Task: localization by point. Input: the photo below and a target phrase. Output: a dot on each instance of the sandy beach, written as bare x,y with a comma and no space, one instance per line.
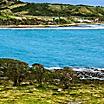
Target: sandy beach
45,26
37,26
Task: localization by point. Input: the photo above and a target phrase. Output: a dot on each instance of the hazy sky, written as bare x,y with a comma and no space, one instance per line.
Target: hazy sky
86,2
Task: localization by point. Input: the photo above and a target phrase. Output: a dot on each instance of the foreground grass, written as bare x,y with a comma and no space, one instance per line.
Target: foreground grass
77,94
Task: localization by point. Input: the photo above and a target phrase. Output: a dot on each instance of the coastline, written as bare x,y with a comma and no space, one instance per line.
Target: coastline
84,73
35,26
48,26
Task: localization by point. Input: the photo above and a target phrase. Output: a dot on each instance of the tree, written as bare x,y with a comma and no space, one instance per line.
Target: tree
39,70
13,69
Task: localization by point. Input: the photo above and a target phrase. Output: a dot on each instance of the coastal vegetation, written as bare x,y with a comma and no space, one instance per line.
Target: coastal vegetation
24,84
16,12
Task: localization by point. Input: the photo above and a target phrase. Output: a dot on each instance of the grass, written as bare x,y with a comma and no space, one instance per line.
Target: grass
28,95
16,5
78,94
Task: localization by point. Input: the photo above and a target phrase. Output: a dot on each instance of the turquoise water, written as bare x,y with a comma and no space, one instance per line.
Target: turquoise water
54,47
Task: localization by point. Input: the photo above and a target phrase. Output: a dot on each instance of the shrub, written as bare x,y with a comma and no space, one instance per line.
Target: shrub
13,69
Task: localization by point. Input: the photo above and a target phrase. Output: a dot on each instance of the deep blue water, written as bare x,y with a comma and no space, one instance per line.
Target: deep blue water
54,47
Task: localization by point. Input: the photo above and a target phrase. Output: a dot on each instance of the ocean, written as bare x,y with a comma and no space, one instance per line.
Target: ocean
54,47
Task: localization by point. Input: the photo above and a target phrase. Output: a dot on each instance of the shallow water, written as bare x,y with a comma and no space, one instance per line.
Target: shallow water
54,47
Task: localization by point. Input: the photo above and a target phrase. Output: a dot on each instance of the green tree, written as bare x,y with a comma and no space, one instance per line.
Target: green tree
13,69
39,70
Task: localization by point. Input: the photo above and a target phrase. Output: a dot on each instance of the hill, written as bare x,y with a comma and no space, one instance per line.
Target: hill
15,12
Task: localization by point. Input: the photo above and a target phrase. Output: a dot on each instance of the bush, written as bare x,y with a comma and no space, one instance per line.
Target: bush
13,69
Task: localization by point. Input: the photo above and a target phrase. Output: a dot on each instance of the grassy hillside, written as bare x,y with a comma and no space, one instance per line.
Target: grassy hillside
46,9
18,11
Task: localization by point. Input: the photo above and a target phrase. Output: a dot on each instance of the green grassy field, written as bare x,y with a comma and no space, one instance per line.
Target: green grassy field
77,94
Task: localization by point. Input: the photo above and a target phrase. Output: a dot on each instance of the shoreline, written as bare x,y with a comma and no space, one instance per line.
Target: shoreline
48,26
84,73
35,26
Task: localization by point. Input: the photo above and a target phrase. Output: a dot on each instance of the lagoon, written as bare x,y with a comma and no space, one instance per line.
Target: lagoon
54,47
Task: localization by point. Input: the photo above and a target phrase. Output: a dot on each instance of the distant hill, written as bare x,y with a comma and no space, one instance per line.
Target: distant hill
15,10
46,9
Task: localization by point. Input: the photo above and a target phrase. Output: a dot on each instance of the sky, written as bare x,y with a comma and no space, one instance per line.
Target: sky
75,2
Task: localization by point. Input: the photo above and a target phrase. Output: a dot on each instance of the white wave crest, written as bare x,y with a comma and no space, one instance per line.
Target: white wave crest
51,68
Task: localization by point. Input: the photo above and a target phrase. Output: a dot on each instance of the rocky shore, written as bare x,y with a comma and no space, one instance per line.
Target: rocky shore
86,73
90,73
